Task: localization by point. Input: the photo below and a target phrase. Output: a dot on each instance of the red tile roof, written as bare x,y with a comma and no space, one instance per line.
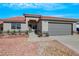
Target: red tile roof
22,19
50,17
58,18
47,17
15,19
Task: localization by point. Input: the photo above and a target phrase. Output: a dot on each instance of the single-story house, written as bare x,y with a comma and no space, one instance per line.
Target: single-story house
45,24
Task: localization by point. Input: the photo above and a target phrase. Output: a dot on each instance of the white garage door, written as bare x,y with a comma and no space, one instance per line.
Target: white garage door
59,29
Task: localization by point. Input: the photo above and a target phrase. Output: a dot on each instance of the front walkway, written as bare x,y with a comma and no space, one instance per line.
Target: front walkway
72,41
34,38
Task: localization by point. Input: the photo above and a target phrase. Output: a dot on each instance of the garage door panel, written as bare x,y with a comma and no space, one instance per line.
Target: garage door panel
59,29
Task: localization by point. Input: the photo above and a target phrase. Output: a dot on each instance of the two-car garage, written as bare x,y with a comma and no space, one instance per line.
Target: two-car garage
56,26
60,29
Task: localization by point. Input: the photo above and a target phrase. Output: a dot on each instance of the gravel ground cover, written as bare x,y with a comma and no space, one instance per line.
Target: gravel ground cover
20,46
54,48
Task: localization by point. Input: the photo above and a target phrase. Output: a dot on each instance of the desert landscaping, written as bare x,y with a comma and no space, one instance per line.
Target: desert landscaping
20,46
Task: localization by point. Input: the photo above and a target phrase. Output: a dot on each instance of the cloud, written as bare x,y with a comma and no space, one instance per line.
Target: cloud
53,6
45,6
19,5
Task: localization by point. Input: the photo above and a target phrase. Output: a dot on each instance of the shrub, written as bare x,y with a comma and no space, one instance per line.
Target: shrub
27,32
19,32
30,30
39,34
13,32
45,34
8,31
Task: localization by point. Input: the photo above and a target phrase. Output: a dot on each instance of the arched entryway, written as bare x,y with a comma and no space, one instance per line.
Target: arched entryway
32,24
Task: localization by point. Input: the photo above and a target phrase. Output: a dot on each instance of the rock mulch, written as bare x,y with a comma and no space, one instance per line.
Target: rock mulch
17,46
20,46
55,48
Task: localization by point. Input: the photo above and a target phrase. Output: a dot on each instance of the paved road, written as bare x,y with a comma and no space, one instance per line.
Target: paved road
72,41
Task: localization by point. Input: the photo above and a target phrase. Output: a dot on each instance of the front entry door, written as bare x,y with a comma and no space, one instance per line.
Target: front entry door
32,24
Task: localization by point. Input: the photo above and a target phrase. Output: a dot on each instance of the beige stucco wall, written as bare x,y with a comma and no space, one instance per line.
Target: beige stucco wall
39,26
23,27
7,26
44,26
30,18
74,27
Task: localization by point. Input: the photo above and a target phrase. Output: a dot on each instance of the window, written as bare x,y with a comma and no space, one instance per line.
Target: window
18,26
15,26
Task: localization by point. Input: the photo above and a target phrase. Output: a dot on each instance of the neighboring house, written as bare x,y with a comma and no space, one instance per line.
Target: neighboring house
45,24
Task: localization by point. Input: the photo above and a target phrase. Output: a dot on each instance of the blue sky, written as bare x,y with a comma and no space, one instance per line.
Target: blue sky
66,10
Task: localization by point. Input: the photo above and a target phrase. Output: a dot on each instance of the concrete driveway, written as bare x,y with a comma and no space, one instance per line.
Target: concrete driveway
71,41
